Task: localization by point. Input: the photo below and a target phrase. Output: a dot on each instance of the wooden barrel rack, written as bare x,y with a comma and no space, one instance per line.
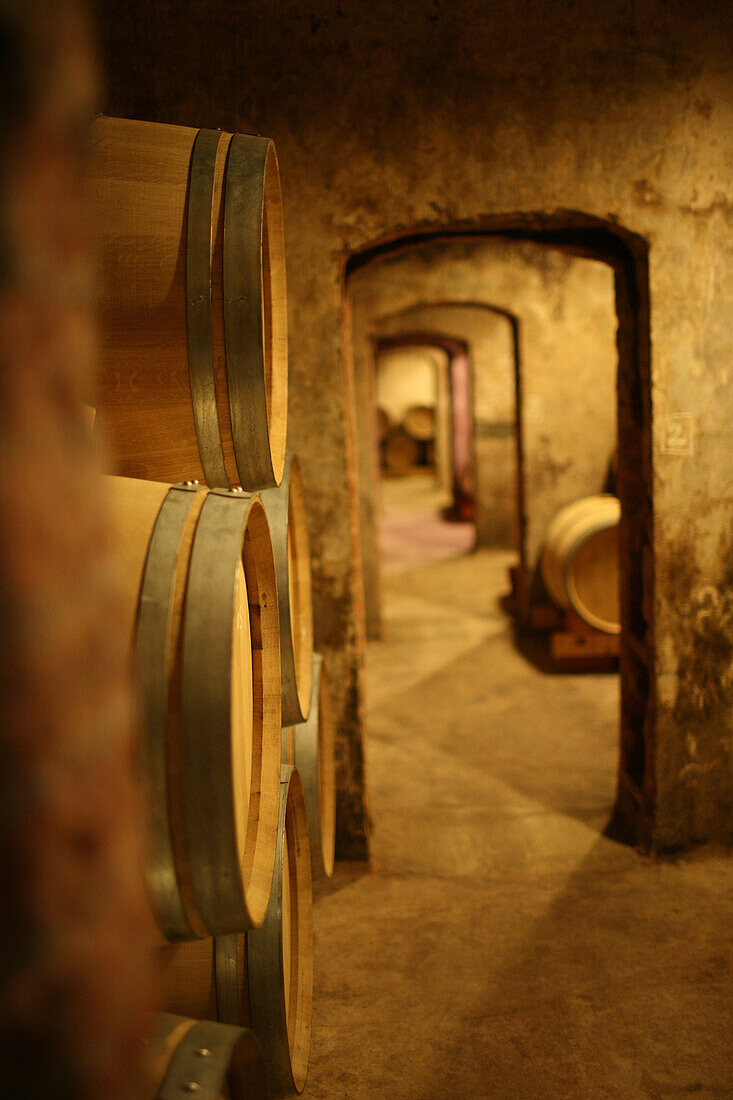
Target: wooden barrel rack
199,578
211,1060
285,508
311,748
193,372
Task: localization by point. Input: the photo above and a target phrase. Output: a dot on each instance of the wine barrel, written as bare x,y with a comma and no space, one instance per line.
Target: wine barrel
264,979
419,423
285,508
579,561
384,424
192,379
198,580
311,748
214,1061
401,452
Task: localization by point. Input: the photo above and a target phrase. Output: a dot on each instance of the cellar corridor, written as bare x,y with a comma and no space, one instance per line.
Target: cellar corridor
501,946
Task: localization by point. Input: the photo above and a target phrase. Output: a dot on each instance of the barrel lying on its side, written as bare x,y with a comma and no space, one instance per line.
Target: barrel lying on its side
198,580
192,379
264,979
311,748
419,423
401,453
214,1061
384,424
285,507
579,561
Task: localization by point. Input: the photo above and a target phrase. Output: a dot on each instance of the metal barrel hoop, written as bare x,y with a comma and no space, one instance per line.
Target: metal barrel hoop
203,1057
198,305
277,506
226,979
206,713
152,655
244,213
306,749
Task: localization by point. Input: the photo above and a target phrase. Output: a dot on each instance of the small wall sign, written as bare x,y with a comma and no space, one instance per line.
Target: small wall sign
677,435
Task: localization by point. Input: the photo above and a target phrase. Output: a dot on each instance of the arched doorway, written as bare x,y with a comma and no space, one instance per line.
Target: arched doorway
625,254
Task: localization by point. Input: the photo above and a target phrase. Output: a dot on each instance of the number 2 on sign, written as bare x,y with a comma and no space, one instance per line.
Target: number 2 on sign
677,438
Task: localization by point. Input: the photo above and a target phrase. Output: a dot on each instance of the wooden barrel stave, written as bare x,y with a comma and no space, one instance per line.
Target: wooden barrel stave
164,324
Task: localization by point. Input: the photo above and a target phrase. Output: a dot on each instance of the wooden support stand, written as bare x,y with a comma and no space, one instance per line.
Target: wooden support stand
544,618
580,648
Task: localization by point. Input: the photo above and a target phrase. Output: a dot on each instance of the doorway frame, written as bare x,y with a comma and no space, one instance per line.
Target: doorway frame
627,254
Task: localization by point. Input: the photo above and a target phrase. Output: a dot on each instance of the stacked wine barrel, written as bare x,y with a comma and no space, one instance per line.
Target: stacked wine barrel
213,559
410,444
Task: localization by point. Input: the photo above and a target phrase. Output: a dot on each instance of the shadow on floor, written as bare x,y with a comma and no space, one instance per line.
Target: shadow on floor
613,983
535,647
346,873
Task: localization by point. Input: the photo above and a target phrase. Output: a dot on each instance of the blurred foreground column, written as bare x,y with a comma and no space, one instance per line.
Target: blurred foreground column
73,923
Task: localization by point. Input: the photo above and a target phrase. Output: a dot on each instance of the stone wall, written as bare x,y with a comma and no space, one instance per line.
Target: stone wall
581,121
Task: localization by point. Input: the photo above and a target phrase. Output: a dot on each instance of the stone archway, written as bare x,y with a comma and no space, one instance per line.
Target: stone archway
626,254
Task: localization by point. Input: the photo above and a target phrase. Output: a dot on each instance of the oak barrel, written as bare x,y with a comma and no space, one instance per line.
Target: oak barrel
285,508
264,979
579,561
198,578
401,453
311,748
384,424
214,1061
192,379
419,422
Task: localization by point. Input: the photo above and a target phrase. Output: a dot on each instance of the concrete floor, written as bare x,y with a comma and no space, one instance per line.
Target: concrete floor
500,946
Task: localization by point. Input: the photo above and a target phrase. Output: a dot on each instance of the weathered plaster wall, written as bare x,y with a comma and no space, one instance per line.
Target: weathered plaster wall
565,324
392,116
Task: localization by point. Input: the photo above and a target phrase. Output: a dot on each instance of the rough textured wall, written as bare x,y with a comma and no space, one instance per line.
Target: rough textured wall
75,975
564,317
427,114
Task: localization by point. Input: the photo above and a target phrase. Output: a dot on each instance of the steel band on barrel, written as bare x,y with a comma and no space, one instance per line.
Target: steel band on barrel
152,658
198,306
205,709
204,1057
243,308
